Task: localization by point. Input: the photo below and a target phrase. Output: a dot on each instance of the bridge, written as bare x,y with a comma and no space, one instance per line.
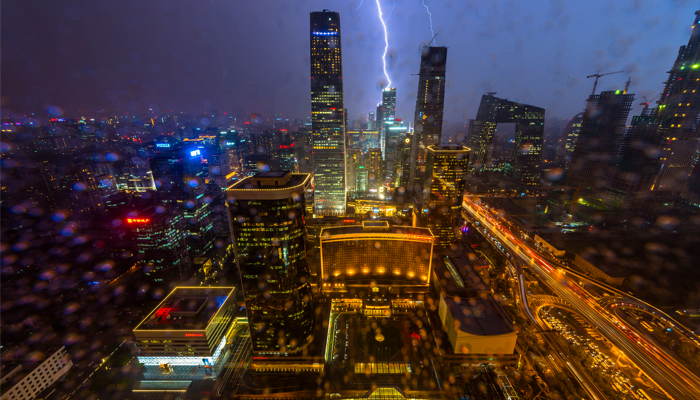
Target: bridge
537,301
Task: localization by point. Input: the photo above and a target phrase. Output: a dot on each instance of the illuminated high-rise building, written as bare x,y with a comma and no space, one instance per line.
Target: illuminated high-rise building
529,129
388,114
374,164
327,114
267,217
592,165
430,105
445,177
679,132
371,121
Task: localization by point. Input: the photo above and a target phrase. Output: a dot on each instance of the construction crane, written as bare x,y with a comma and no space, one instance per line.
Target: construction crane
598,75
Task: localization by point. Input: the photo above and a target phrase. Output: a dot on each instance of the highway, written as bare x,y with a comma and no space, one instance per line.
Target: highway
673,378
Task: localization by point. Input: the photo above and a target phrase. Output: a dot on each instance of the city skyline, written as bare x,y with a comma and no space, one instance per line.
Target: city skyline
557,54
279,253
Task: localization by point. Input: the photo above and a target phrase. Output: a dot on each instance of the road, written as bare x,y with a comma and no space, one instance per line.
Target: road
673,378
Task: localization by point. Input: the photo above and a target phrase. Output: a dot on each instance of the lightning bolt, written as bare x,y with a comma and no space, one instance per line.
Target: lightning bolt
431,20
386,43
358,7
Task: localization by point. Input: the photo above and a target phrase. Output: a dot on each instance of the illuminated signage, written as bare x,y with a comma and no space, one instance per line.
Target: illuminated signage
195,153
194,334
284,146
162,144
417,237
229,143
349,221
325,33
137,220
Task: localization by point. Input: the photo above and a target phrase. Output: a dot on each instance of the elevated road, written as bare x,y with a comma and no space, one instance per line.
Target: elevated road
676,381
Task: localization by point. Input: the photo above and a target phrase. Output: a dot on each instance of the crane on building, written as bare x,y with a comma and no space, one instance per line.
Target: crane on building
598,75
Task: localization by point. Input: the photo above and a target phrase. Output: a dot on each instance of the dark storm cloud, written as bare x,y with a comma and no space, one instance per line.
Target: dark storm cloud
90,56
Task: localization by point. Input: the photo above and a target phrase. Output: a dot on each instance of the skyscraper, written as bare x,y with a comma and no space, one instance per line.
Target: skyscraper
327,114
430,105
388,115
267,216
573,128
680,104
638,165
599,140
529,128
445,177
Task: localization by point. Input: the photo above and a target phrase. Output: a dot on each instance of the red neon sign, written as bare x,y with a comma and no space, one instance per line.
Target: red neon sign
137,220
348,220
259,358
284,146
194,334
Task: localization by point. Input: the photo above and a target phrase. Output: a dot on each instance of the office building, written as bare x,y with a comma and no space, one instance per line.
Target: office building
189,327
430,105
25,380
353,163
443,185
637,168
678,132
386,115
526,159
160,238
371,122
592,165
571,131
267,214
327,114
359,258
374,166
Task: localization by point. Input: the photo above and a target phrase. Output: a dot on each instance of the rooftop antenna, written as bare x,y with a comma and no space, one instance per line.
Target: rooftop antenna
431,40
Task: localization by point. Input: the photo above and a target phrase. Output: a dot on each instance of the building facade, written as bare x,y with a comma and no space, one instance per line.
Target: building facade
529,130
430,105
20,383
267,214
327,114
443,185
599,140
361,257
189,327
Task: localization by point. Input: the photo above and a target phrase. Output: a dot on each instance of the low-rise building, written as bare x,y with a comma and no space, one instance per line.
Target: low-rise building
188,327
25,380
477,325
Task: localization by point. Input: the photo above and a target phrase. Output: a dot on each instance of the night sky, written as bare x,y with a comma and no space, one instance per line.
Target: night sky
253,56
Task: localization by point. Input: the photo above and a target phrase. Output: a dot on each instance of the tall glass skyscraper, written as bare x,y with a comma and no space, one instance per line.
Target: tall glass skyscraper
445,177
327,114
388,115
430,105
267,217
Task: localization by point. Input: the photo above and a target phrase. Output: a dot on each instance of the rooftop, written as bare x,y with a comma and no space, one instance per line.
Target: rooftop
479,315
457,277
186,308
416,233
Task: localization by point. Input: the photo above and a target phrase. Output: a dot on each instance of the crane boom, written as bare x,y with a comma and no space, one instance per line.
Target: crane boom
598,75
